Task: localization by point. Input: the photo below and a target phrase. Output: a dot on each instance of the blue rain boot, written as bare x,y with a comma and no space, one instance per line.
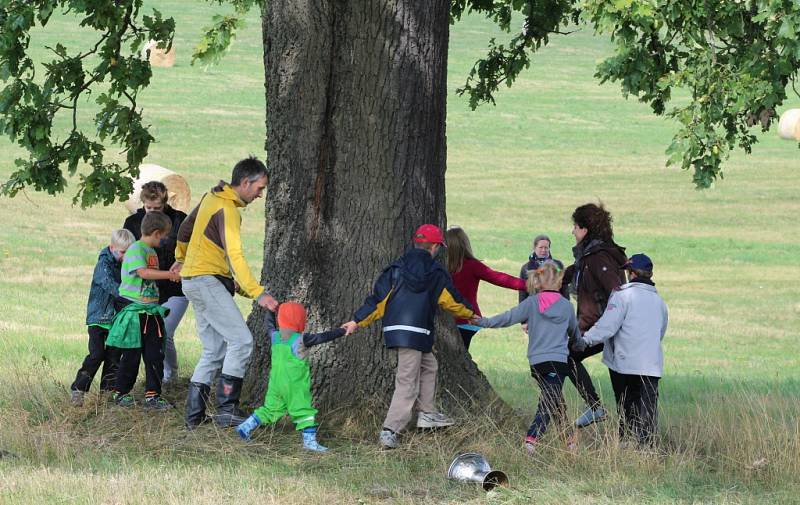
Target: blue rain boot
310,440
246,428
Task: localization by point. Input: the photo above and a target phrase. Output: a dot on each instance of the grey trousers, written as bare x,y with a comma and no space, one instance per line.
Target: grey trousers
227,342
414,385
177,308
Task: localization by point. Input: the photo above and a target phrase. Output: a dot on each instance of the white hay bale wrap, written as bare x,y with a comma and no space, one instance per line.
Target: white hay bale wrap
789,126
158,57
179,194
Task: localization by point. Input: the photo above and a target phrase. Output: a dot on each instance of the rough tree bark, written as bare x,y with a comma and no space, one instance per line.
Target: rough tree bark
356,96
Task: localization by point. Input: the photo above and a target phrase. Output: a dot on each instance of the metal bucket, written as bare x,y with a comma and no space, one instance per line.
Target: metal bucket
473,467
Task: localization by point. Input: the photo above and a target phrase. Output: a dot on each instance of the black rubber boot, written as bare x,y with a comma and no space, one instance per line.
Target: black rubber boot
196,401
228,391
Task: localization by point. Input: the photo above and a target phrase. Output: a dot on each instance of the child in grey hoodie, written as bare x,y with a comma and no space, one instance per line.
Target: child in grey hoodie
633,325
552,325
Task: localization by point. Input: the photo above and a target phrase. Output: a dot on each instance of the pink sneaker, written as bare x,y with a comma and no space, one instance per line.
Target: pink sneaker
530,444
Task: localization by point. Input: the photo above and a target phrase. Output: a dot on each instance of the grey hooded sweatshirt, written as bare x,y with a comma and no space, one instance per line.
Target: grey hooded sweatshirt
552,325
632,326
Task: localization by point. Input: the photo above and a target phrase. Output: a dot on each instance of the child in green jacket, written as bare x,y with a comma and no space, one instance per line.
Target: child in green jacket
290,376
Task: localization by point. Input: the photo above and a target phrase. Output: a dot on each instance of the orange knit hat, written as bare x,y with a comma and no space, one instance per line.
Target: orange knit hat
292,316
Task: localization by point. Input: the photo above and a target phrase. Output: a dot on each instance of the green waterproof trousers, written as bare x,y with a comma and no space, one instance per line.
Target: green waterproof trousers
289,389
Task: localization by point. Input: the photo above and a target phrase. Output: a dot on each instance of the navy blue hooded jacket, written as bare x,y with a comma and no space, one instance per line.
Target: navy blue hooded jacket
105,285
406,295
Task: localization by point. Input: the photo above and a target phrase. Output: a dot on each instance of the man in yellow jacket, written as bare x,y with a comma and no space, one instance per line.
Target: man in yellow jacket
212,266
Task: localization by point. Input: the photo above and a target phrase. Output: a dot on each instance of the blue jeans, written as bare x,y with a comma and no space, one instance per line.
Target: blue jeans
550,377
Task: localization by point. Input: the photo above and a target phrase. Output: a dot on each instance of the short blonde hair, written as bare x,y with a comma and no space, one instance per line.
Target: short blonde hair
545,278
122,239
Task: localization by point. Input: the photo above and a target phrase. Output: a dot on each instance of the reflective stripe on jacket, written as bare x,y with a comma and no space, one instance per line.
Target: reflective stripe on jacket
406,296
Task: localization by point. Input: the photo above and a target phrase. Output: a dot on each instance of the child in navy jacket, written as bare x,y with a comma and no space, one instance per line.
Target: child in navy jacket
99,313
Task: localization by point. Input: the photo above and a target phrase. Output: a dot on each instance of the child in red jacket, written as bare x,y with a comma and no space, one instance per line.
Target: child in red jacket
467,272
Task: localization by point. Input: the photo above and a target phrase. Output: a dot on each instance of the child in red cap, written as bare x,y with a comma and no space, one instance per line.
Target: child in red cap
290,376
405,297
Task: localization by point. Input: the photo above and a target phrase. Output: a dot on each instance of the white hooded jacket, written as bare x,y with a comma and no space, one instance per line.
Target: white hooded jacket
633,325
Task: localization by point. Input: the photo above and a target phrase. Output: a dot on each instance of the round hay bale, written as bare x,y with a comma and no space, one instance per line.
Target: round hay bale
158,57
179,194
789,126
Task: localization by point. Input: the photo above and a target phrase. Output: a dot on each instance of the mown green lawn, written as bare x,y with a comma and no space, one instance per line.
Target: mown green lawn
725,261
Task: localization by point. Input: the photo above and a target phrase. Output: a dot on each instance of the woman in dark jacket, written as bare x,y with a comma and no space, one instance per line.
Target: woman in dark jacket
540,254
597,271
154,198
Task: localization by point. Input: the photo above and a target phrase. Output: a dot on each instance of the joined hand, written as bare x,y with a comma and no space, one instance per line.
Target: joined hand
349,327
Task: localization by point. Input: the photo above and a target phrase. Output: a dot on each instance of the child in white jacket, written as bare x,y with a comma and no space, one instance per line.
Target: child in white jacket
633,325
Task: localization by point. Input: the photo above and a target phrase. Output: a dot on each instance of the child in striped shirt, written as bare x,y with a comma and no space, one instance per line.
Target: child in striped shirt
138,327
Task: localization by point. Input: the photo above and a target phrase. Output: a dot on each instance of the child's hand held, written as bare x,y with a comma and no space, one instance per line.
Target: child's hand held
349,327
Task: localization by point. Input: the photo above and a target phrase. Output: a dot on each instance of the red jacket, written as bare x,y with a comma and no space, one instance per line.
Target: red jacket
472,272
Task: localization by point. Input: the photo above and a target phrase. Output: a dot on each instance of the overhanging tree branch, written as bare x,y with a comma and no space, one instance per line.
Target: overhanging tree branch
736,65
736,58
28,109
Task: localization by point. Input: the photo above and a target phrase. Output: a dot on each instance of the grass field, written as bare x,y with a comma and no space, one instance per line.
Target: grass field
726,263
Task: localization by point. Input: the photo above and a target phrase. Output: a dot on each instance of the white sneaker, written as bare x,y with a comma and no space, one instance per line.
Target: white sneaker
433,420
388,439
76,397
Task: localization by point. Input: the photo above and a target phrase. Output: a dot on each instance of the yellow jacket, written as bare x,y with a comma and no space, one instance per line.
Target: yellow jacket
209,240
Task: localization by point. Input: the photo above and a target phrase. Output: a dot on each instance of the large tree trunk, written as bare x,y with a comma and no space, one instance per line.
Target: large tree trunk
356,96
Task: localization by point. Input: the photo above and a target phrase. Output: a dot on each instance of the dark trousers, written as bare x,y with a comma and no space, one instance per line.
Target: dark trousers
151,352
550,377
466,336
637,405
98,355
580,376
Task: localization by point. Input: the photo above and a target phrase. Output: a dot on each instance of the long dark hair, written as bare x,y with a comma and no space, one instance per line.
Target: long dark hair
596,219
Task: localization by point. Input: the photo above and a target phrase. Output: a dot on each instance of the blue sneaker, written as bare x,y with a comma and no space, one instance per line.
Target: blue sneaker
245,429
310,441
591,415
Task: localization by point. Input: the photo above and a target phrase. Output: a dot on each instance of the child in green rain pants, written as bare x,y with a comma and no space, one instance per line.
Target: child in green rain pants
289,388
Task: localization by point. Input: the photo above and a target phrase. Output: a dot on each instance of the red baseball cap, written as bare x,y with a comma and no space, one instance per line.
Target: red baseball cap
429,233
